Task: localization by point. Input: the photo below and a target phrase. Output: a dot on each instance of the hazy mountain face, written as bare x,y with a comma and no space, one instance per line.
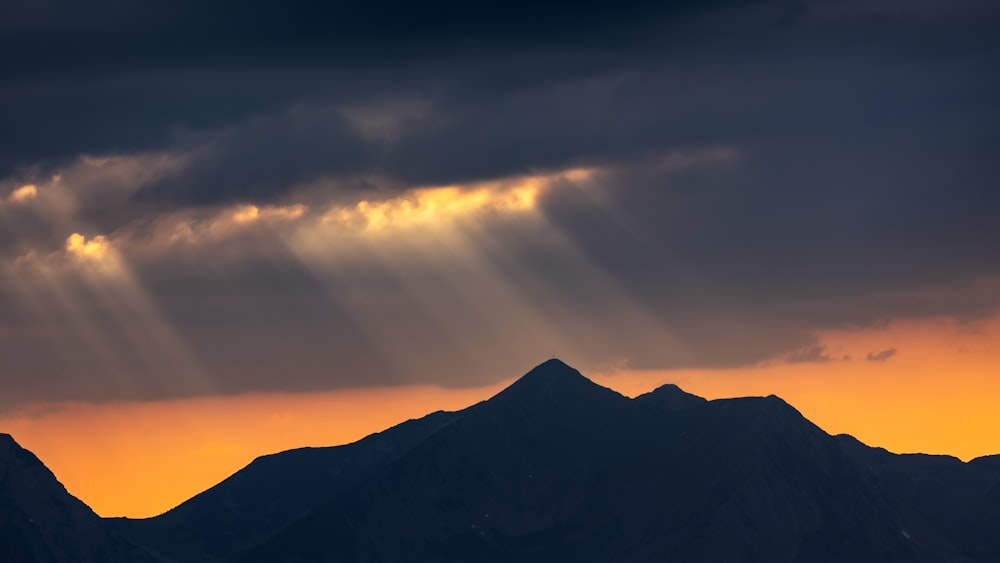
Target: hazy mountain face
557,468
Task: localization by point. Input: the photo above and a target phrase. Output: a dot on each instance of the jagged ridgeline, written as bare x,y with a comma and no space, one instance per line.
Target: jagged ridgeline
553,468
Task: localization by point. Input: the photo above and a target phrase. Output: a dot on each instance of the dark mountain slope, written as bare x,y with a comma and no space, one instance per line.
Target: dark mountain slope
42,523
556,468
939,494
521,468
271,492
670,397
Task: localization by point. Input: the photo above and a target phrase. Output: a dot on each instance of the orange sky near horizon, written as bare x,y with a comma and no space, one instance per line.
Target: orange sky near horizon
936,394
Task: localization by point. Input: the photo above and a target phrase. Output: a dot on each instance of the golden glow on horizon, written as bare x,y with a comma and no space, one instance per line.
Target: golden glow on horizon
141,459
937,394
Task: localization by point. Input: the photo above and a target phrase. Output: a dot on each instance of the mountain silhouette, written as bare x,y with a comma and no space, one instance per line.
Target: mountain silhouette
41,522
670,397
270,493
558,468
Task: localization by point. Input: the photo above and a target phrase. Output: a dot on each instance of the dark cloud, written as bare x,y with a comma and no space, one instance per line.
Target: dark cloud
881,356
811,354
824,237
763,170
114,79
108,35
263,156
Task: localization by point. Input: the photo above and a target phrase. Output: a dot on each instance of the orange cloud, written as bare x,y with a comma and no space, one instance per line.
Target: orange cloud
431,205
24,193
252,213
78,246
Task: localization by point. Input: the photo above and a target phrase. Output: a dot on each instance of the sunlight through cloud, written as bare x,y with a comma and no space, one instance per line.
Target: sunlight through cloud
24,193
78,246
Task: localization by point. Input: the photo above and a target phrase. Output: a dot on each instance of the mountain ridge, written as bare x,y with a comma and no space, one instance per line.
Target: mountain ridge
557,467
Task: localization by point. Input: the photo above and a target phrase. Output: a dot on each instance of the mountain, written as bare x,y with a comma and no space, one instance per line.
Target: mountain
670,397
558,468
270,493
40,522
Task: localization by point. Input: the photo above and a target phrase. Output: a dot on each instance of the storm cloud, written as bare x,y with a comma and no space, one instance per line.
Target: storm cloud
288,197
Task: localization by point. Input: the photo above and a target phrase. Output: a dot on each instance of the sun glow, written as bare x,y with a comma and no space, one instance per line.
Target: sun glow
24,193
430,206
935,393
141,459
411,273
78,246
252,213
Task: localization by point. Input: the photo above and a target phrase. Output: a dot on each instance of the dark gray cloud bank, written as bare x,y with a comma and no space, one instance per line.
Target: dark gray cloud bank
768,169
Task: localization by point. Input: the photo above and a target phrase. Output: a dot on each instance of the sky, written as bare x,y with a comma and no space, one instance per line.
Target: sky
232,228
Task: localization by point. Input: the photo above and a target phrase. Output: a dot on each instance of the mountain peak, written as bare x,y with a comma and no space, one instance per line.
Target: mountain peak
551,375
553,381
551,369
670,397
10,449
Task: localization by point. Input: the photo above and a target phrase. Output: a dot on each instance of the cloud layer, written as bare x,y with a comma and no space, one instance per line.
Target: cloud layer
259,196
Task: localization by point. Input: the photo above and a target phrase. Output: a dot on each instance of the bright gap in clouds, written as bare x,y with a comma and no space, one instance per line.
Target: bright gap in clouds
419,275
24,193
